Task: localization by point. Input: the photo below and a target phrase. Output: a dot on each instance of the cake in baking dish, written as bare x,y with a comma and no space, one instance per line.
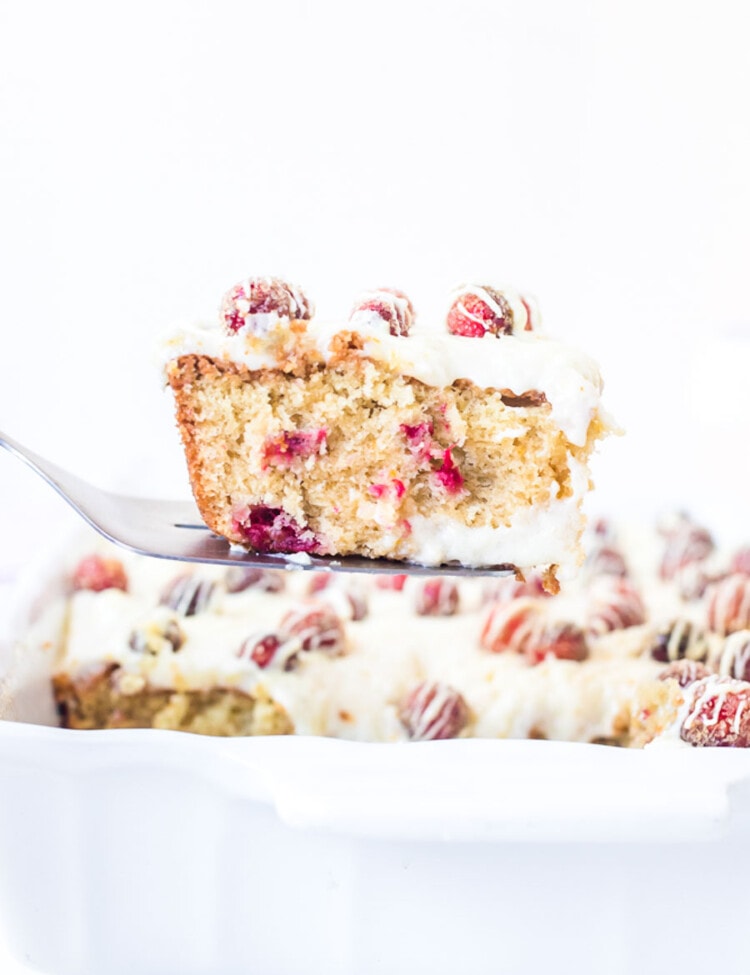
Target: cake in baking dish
381,438
650,644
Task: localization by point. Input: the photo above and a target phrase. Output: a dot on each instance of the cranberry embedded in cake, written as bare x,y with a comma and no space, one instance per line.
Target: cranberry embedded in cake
267,529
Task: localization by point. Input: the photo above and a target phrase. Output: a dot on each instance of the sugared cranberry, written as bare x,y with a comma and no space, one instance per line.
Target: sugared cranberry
319,581
188,595
566,641
448,473
693,580
685,543
267,529
512,625
239,578
606,560
685,672
433,711
393,582
97,573
728,604
387,305
281,450
509,588
522,626
734,657
615,605
680,639
244,307
437,597
346,601
261,648
316,626
741,561
156,636
718,713
480,309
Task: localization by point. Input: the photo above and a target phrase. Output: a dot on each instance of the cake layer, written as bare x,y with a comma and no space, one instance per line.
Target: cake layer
353,459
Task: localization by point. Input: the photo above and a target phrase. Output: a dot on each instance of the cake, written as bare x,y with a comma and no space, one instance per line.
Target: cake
377,437
650,645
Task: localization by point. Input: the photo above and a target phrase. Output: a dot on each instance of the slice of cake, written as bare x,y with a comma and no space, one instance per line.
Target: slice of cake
467,444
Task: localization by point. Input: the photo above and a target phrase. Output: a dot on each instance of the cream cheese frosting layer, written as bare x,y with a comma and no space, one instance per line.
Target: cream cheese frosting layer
569,379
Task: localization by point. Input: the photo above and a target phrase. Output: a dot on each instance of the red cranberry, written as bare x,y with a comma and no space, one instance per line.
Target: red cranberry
512,626
393,582
685,543
734,658
606,560
718,713
728,608
680,639
259,297
97,573
741,561
261,648
437,597
319,581
284,448
566,641
155,636
389,305
316,626
478,310
692,580
346,602
433,711
685,672
449,475
393,490
267,529
419,440
239,578
616,605
188,595
522,627
509,588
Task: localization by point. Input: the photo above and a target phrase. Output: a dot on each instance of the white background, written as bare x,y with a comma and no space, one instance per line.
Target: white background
596,154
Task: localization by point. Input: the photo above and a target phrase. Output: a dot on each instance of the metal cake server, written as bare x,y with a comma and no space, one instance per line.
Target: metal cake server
175,530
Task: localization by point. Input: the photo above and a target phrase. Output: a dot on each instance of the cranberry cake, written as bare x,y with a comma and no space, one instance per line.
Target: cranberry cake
381,438
649,645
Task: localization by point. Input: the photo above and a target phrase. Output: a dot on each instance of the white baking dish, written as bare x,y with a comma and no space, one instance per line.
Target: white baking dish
158,852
